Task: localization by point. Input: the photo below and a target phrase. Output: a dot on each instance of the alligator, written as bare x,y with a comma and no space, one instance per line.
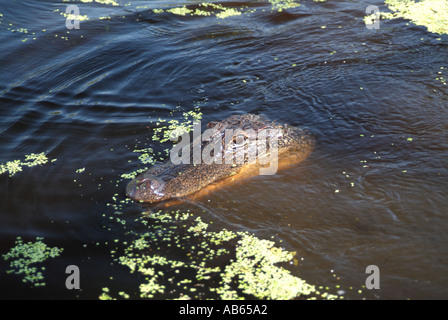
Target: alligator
234,153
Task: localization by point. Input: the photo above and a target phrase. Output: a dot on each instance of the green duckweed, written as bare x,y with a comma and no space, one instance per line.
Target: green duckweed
174,128
440,76
146,157
78,17
180,11
31,160
432,14
256,271
208,9
26,259
221,12
81,17
105,295
280,5
221,264
106,2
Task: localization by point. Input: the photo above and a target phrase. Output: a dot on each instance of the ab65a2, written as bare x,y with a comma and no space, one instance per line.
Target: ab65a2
245,309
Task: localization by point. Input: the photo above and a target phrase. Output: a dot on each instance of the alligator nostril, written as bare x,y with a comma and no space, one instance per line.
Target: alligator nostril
131,189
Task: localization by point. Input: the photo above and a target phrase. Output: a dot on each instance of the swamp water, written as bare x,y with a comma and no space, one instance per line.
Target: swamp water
81,110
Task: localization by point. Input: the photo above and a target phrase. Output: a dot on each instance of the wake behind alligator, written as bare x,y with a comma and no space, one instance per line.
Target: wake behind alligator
235,157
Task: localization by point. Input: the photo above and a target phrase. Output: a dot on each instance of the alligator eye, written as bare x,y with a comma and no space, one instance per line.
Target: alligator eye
157,188
239,139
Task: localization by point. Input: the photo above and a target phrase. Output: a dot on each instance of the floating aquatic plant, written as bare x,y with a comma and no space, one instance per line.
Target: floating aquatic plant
432,14
221,12
31,160
80,170
207,9
256,272
280,5
174,127
106,2
77,17
221,264
26,259
440,76
165,130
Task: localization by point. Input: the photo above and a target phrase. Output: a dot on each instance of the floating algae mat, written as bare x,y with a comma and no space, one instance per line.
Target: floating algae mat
432,14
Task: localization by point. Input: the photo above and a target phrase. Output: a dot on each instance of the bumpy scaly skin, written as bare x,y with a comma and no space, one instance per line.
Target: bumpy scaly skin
167,181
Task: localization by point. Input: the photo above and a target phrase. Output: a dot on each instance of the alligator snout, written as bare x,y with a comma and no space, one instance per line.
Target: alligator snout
142,189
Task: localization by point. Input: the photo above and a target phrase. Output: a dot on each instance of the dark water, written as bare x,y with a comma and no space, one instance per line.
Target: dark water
373,192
